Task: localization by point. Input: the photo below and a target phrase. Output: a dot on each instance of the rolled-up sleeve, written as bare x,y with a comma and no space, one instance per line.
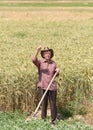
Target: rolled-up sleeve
55,70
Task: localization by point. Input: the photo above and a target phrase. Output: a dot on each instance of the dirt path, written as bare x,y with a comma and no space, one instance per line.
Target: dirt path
54,14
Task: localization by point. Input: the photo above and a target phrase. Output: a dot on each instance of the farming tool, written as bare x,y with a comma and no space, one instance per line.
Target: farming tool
34,114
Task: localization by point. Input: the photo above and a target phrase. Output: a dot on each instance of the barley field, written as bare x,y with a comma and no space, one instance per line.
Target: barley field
66,28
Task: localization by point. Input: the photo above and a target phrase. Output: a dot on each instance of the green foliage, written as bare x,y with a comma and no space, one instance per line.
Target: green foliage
16,121
47,4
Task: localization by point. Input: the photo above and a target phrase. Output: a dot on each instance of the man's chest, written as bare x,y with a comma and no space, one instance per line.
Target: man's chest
47,67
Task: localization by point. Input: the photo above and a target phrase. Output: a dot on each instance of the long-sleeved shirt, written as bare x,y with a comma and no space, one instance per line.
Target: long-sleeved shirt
46,71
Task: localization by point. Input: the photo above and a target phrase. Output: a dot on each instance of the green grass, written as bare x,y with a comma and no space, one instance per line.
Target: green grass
48,4
16,121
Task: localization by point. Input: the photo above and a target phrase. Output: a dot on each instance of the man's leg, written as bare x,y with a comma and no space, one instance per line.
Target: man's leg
52,99
44,105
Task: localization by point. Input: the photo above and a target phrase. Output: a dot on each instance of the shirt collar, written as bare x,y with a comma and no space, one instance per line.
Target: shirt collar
44,60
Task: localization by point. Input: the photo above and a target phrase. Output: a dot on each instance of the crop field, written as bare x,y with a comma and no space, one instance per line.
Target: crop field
67,28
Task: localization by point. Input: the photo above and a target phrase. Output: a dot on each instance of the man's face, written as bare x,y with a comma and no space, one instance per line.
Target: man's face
47,55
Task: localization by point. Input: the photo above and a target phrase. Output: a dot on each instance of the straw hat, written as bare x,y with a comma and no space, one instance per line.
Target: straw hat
45,50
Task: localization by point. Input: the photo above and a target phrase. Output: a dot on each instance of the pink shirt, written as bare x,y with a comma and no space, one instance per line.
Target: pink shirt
46,71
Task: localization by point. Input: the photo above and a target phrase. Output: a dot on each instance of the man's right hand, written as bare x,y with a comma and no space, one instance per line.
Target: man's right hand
38,49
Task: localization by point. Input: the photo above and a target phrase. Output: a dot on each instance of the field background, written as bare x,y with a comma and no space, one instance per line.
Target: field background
67,27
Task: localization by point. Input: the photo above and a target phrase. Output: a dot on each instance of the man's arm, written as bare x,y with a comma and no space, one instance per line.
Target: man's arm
35,59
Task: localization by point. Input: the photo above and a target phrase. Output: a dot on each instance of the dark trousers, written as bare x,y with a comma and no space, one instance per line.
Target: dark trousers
51,96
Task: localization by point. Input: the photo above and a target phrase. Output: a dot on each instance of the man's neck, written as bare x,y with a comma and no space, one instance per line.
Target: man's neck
48,60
